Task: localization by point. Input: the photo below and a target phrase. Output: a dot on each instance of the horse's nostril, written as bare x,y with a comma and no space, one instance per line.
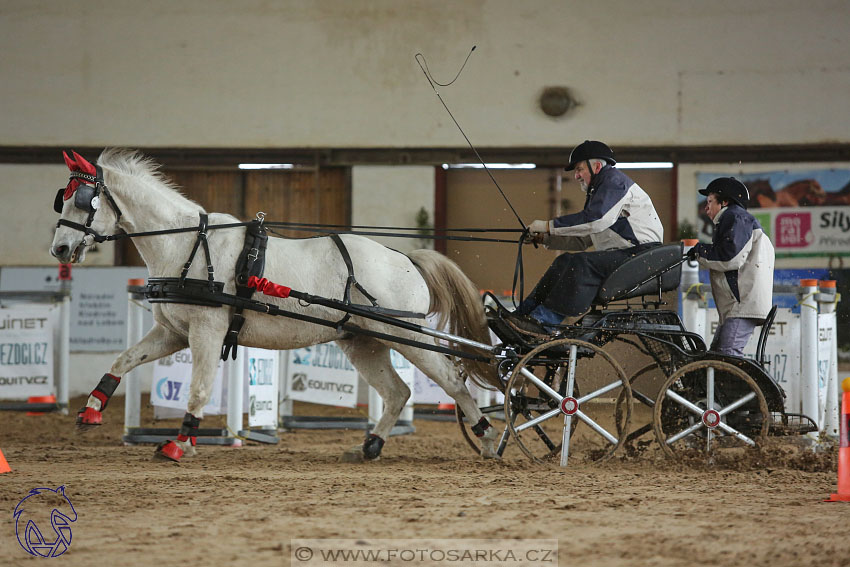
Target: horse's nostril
59,250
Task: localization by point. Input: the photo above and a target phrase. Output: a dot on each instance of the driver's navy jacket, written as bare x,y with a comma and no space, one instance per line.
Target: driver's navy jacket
617,214
740,259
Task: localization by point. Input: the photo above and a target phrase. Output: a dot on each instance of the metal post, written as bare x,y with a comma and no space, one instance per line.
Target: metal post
235,384
809,349
132,381
376,407
827,299
285,405
62,388
690,305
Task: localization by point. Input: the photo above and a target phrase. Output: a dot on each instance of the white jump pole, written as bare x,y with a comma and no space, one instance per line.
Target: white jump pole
64,353
827,299
132,382
235,383
809,349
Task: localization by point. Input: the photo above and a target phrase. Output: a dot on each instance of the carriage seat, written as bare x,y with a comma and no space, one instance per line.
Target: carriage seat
620,284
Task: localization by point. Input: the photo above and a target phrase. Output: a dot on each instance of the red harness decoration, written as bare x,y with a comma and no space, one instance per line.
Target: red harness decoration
79,163
268,288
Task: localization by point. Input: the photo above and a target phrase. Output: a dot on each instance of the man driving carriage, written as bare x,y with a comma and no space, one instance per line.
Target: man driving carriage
740,259
618,220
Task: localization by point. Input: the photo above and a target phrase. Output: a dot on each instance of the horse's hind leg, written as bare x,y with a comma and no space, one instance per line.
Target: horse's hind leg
372,360
205,339
157,343
438,368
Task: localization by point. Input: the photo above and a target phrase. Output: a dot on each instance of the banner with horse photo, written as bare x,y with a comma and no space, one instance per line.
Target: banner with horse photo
805,212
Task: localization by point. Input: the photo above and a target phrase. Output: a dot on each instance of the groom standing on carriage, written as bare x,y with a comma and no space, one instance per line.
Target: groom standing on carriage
618,220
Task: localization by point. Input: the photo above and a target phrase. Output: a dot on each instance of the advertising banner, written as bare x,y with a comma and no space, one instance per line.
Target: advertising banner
321,374
26,351
261,369
171,378
805,212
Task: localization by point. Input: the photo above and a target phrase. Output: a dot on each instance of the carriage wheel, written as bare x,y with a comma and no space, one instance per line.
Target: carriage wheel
495,415
543,405
639,397
711,407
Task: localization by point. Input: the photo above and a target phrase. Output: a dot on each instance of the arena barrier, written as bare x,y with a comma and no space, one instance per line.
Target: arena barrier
802,348
35,336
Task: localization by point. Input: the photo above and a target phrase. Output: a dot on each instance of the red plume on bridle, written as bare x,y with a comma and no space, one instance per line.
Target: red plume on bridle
80,164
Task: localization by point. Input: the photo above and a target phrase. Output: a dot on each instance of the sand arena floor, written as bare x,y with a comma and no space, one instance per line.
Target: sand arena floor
242,506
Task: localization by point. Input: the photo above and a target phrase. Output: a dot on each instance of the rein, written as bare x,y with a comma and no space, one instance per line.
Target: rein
92,205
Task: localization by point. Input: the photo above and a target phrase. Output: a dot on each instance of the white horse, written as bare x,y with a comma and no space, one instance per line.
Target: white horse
126,191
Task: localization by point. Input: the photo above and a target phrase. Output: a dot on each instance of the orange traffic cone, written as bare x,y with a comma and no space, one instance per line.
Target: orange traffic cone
4,465
843,494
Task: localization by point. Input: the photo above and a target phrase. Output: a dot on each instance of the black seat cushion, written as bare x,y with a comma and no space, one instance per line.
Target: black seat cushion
643,266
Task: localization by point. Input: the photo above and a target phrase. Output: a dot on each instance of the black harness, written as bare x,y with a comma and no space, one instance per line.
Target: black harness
251,263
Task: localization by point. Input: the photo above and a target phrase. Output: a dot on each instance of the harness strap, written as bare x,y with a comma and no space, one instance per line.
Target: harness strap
351,280
251,264
202,239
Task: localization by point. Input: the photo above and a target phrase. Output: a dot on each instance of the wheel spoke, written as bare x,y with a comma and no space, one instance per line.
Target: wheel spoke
596,427
737,434
600,391
684,402
539,419
684,433
736,404
543,386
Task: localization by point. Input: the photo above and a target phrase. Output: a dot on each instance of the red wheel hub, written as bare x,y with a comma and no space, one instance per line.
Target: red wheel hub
711,418
569,405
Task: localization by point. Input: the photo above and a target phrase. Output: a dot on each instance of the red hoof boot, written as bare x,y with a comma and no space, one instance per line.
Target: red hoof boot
168,450
88,418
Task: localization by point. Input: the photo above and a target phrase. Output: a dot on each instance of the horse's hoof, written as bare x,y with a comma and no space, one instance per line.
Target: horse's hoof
353,455
88,418
168,451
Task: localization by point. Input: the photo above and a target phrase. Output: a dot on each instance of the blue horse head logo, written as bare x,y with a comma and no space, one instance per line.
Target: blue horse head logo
37,506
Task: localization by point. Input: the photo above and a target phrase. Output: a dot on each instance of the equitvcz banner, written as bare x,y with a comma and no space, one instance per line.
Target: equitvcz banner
26,351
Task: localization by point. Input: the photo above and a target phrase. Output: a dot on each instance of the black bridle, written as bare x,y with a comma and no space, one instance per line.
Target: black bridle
86,198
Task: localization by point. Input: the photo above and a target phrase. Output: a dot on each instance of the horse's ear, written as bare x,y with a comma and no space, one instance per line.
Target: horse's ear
70,163
85,166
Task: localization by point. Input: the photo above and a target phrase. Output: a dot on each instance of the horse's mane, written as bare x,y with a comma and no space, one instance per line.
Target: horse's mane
133,163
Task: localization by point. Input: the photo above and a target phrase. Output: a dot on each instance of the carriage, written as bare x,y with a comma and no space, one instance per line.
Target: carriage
703,402
552,381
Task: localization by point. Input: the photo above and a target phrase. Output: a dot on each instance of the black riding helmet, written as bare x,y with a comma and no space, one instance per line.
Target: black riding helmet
728,189
587,150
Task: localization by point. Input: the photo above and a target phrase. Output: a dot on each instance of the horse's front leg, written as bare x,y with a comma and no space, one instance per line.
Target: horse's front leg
205,340
157,343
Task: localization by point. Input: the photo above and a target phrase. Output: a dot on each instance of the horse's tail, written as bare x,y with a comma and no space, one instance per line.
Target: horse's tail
455,299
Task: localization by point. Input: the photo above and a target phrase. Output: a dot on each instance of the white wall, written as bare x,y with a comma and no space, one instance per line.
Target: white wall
341,73
392,196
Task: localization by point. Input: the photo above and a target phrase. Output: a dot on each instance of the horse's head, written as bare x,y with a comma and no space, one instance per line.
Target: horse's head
87,208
